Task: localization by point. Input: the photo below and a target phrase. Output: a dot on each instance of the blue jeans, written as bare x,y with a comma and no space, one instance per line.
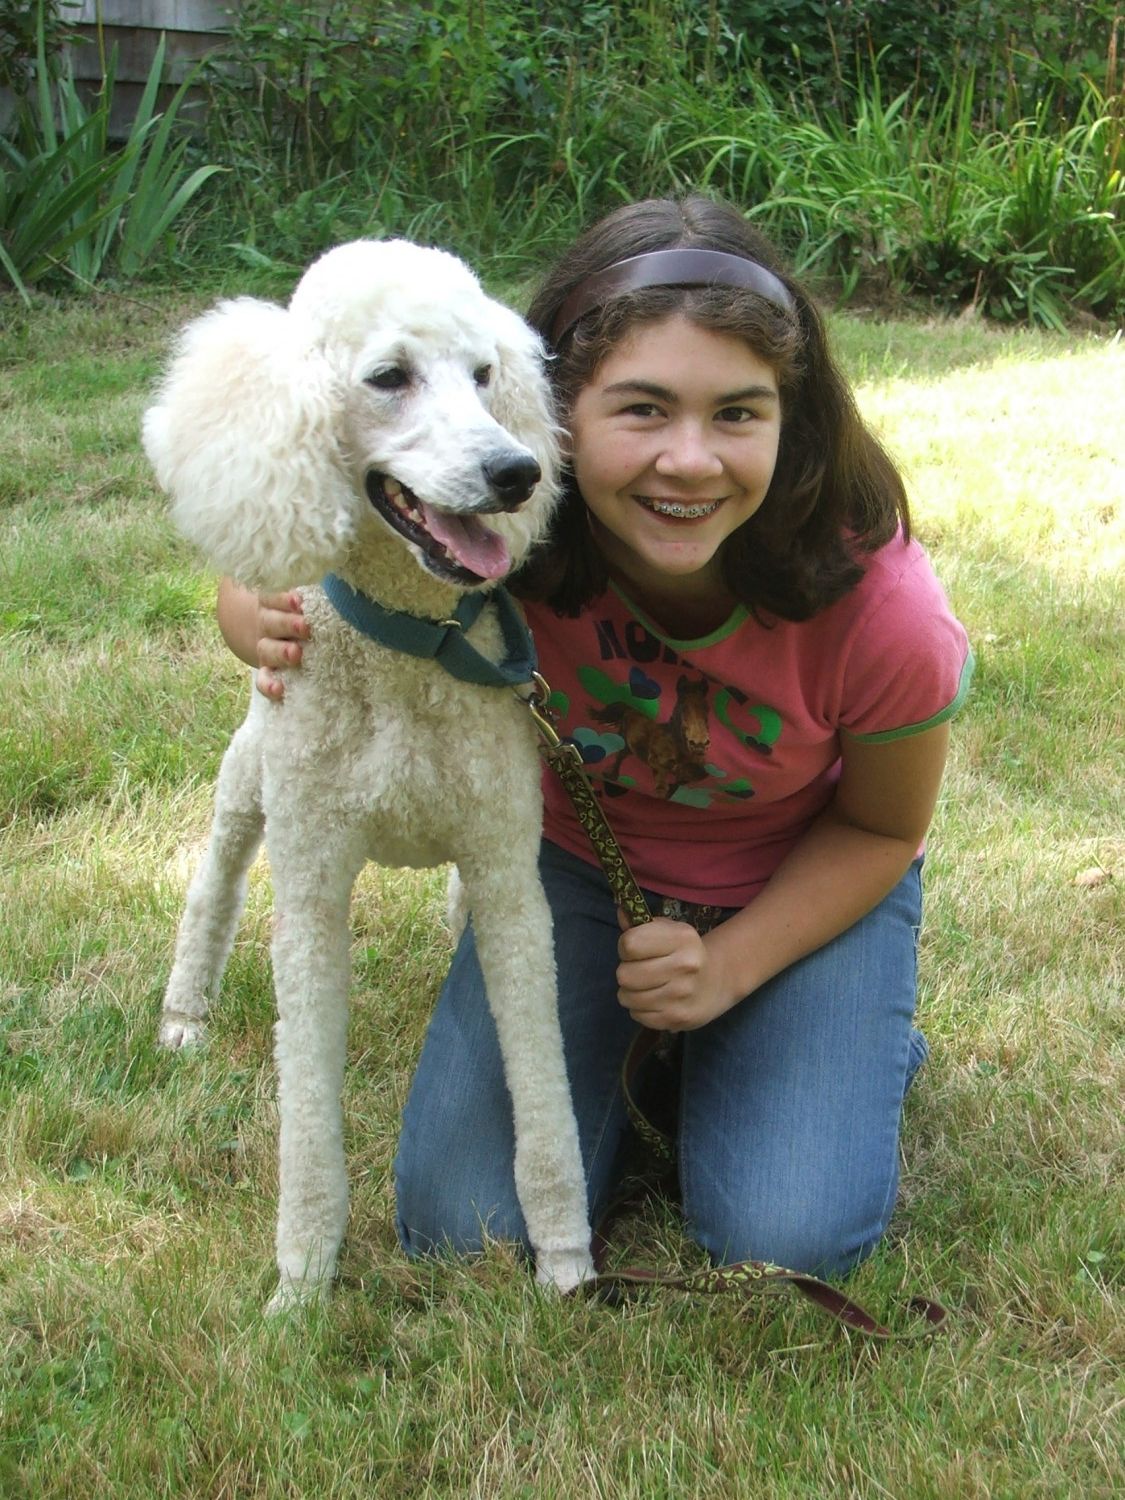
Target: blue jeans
789,1104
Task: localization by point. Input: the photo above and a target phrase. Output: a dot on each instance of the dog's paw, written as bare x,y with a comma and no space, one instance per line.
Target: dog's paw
563,1270
292,1296
177,1032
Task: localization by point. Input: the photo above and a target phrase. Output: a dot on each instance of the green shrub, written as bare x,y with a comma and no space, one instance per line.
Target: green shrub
966,154
70,200
20,24
911,199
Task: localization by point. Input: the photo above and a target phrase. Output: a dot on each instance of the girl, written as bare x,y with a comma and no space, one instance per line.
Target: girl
758,666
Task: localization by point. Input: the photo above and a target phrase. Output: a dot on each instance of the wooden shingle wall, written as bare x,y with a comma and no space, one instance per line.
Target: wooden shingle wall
192,29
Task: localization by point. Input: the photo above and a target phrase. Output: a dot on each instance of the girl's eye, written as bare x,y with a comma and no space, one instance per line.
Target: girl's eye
393,378
736,414
642,409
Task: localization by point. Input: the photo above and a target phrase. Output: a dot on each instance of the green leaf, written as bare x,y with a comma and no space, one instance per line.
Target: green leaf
297,1423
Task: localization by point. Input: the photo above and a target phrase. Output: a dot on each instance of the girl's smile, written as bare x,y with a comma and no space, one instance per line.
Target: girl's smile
680,511
673,444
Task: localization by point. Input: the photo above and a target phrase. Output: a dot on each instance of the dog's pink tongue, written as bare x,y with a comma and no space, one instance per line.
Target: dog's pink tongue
475,547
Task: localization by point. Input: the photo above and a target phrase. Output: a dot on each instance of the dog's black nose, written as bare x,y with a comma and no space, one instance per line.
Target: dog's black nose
511,477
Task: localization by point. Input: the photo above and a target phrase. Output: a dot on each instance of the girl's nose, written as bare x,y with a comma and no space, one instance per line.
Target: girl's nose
688,454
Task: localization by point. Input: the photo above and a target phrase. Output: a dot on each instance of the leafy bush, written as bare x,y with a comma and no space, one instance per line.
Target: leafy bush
70,200
966,153
497,128
1018,51
21,22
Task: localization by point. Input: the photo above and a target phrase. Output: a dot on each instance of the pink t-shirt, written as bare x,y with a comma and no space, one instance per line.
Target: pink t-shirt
712,757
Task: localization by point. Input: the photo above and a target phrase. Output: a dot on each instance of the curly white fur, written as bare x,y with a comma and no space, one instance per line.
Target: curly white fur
276,434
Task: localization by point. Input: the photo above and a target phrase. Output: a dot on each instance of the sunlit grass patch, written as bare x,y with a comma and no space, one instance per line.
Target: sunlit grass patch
1017,461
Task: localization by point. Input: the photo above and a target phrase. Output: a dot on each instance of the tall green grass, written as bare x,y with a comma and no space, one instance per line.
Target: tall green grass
137,1190
500,132
908,199
906,203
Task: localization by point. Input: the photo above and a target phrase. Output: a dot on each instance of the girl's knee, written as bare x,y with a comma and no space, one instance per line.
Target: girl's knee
434,1216
799,1239
466,1235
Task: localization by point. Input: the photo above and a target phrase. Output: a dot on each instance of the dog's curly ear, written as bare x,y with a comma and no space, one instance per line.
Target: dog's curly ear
243,438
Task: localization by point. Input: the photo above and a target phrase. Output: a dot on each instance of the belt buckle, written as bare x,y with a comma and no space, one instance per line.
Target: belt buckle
696,915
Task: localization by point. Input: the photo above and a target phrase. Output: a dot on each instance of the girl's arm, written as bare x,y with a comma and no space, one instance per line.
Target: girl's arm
854,854
263,630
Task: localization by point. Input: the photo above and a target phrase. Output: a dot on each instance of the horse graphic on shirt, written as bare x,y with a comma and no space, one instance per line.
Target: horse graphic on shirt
674,750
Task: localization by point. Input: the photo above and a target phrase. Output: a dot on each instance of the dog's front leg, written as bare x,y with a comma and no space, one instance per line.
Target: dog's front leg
217,892
512,922
313,880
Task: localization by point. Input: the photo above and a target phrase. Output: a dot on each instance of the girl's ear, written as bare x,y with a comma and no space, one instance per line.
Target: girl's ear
243,438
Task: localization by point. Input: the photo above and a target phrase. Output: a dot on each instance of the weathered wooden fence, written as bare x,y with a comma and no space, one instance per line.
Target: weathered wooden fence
191,28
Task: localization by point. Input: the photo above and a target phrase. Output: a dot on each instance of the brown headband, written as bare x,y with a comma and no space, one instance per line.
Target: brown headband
669,268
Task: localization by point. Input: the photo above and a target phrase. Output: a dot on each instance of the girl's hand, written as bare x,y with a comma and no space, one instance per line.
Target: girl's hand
281,627
667,979
263,630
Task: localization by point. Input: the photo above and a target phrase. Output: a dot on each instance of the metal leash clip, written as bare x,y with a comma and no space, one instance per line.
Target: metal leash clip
536,702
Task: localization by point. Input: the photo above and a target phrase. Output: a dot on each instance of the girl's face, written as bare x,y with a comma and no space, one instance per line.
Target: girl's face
673,443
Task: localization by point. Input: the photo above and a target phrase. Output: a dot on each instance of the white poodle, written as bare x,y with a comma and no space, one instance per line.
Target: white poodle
391,428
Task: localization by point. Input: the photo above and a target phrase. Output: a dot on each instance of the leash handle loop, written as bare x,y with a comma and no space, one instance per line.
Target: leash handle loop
763,1278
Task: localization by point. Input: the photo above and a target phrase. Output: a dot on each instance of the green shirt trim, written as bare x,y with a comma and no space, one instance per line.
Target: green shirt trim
887,735
738,617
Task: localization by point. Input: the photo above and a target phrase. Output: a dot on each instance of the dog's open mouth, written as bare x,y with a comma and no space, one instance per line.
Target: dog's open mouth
458,548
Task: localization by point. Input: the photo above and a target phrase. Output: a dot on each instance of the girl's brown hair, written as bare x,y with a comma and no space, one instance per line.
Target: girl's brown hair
835,494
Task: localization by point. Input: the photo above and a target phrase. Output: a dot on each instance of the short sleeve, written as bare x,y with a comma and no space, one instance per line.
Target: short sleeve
909,665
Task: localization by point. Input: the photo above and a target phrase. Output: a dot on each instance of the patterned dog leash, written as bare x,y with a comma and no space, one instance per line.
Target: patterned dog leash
750,1277
565,759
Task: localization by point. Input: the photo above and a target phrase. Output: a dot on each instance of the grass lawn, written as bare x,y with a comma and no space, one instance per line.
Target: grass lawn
137,1189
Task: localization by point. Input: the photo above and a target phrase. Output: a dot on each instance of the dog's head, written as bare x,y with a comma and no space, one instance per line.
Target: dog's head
392,404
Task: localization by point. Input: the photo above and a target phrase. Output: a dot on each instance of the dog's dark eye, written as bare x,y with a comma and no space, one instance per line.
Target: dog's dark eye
391,379
482,374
